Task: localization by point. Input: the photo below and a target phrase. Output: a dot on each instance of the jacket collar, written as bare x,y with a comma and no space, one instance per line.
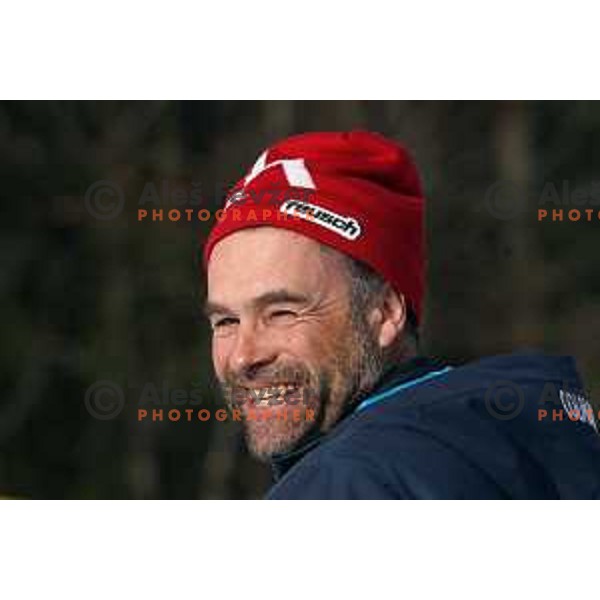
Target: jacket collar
395,375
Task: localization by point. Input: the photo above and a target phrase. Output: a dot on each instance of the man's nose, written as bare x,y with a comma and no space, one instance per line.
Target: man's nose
251,351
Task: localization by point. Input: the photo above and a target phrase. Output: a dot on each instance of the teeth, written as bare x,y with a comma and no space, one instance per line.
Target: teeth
263,395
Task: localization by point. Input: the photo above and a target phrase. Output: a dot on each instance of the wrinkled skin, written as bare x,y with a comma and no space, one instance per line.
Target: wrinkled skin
284,333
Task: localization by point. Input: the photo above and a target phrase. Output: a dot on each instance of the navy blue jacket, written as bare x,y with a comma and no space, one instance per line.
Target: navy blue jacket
475,431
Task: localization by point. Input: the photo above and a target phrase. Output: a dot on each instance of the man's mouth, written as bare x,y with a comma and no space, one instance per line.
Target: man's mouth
272,395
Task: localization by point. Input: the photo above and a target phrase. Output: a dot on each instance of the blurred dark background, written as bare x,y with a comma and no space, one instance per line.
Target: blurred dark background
88,295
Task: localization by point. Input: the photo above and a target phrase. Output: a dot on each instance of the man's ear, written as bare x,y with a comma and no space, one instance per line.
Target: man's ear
389,318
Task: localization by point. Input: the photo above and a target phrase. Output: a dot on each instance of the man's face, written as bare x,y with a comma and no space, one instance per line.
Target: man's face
283,336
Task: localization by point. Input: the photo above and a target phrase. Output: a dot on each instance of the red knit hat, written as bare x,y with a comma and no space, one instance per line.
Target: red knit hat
355,191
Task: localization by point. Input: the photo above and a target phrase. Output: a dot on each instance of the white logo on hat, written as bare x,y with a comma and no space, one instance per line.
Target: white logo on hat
347,227
294,169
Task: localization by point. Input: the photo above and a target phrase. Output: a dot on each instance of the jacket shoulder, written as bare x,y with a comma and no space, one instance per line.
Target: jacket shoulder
448,439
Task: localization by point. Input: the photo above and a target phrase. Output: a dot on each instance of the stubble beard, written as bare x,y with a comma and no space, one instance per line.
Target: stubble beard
355,366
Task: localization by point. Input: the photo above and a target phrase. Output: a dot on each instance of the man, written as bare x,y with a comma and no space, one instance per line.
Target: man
315,298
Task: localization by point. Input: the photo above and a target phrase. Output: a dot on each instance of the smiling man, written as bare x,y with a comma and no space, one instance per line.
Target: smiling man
286,333
315,304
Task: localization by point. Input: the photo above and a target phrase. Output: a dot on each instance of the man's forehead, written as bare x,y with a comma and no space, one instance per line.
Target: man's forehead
264,238
253,262
263,252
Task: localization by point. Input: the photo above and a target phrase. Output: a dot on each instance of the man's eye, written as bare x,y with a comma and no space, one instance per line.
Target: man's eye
224,322
283,315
